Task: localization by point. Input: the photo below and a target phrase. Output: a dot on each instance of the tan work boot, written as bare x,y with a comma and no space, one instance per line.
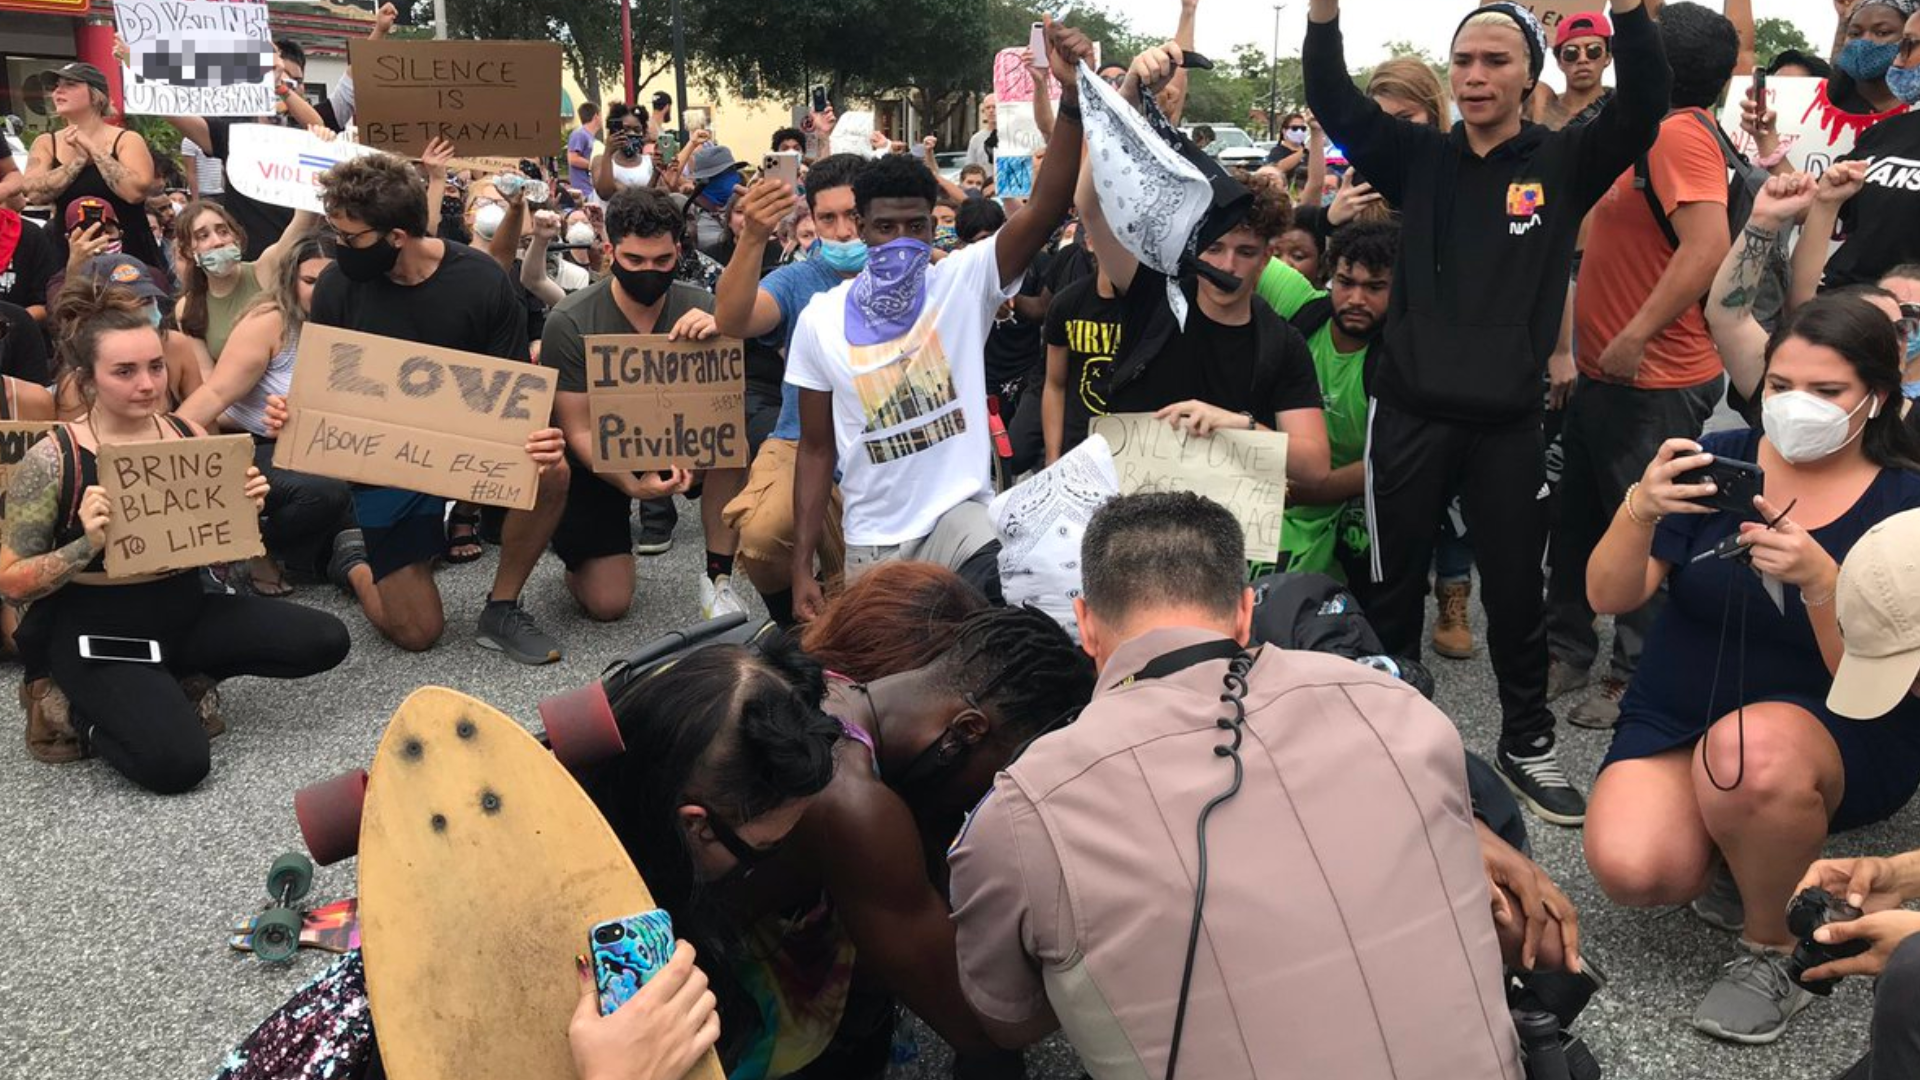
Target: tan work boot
50,734
204,695
1452,637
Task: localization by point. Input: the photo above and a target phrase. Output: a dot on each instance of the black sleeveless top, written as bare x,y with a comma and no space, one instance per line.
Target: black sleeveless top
80,470
136,238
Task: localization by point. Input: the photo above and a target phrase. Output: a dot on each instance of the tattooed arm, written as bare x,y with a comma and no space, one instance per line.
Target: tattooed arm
1741,339
124,162
46,177
30,566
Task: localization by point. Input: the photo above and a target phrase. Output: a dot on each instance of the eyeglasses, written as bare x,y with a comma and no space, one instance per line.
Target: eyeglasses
330,236
746,853
1907,45
1571,54
1909,324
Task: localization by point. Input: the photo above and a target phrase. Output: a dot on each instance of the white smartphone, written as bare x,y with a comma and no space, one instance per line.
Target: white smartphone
126,649
1037,44
783,165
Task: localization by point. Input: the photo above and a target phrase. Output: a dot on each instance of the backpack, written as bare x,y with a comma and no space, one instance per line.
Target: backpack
1744,181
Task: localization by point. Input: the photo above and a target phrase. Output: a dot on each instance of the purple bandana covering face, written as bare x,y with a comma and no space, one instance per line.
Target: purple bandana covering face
887,296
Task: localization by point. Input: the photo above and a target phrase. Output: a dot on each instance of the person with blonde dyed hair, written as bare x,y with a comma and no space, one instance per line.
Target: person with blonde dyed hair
88,156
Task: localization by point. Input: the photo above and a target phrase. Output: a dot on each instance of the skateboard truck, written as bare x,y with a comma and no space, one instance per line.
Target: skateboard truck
276,932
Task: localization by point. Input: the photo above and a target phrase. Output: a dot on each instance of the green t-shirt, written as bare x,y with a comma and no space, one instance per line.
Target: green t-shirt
1311,535
1285,289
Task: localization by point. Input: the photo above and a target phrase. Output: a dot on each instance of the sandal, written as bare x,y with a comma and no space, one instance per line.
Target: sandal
465,547
272,588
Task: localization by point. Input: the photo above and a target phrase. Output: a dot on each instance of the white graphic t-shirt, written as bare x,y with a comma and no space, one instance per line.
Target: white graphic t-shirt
909,415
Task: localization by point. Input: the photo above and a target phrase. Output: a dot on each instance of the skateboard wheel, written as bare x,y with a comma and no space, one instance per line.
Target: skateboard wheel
291,875
276,935
580,726
329,816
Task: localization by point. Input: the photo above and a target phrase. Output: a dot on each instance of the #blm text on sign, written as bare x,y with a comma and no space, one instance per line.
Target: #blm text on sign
486,97
657,402
1244,471
178,503
16,438
376,410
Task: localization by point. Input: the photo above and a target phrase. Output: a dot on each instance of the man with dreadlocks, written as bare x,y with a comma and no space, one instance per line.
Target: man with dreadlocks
854,886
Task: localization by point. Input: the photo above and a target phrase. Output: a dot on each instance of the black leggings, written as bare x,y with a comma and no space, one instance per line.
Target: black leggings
135,715
303,513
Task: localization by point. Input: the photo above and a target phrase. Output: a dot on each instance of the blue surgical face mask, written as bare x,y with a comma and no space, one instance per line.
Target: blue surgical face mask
1910,390
1905,83
154,315
843,256
1868,61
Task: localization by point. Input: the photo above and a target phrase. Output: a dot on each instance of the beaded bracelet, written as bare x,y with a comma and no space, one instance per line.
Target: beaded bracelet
1628,503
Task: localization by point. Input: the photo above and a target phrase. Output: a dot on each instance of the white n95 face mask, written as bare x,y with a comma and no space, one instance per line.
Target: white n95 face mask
579,233
1806,428
487,219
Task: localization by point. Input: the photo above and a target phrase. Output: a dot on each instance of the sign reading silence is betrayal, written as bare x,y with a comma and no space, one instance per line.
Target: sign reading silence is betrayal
374,410
656,402
178,503
196,57
1244,471
485,97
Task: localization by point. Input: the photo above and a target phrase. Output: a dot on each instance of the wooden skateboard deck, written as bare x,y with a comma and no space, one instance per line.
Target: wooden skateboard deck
334,928
482,867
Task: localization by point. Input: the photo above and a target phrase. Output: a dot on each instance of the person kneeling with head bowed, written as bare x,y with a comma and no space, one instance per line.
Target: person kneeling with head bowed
150,720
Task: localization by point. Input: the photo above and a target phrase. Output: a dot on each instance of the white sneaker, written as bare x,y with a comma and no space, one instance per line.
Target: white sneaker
717,598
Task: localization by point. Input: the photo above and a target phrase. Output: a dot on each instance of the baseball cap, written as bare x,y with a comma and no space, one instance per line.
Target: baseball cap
125,270
1878,605
80,72
1585,24
710,161
78,207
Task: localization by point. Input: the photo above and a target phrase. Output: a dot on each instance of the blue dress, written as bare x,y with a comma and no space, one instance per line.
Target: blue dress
1685,683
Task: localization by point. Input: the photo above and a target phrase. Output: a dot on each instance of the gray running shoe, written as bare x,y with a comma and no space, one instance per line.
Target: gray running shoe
509,629
1720,906
1753,1000
1602,709
1564,678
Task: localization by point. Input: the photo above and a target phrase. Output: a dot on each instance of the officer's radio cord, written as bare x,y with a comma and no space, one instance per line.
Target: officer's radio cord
1235,695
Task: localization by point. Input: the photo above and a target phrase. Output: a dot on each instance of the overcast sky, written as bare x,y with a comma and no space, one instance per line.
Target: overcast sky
1370,24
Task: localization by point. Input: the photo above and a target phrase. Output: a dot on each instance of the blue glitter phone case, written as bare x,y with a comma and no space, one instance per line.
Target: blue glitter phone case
626,952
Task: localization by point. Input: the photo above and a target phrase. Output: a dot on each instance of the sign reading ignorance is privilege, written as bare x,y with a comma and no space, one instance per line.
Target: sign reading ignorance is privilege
656,402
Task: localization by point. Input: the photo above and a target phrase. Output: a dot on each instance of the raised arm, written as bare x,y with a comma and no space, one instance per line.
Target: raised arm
1381,146
1042,102
1173,96
1627,126
504,245
1316,185
1115,260
533,268
1022,237
1841,182
948,188
741,308
1740,14
1739,337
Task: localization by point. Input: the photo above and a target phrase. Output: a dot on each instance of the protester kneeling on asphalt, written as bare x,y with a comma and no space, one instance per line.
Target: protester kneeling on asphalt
1723,799
152,720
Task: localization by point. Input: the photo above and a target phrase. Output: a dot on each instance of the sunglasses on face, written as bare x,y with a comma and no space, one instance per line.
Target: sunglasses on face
1301,130
1907,46
1571,53
746,853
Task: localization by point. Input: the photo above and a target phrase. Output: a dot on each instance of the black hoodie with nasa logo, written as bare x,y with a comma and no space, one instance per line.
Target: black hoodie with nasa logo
1486,242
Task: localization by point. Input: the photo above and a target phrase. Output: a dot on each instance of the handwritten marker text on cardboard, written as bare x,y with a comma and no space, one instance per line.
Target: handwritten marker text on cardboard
178,503
657,403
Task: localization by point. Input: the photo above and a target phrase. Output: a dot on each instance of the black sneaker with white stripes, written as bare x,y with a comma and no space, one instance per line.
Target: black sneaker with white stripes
1537,779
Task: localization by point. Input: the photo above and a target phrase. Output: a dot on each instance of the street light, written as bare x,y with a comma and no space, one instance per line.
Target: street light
1273,72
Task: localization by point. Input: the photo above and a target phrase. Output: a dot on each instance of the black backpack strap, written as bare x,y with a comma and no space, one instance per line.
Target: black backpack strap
180,427
1313,315
1643,179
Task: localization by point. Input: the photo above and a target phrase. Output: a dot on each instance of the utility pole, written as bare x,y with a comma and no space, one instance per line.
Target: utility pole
1273,73
440,19
680,70
626,50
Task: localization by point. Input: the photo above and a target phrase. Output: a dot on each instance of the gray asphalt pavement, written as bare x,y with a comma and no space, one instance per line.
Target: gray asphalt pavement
115,904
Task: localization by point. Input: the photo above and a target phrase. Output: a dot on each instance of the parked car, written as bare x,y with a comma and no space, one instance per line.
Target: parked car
950,162
1231,145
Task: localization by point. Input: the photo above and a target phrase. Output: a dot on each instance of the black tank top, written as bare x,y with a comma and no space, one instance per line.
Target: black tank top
136,238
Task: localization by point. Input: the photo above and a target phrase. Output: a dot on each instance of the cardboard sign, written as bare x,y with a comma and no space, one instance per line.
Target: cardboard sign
16,438
199,57
656,403
485,97
1013,87
281,166
1552,12
179,503
1814,133
1244,471
376,410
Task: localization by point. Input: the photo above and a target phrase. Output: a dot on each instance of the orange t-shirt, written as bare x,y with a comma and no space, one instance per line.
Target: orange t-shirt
1627,253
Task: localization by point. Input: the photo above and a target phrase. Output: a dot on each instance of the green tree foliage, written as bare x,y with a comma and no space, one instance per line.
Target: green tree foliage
1775,36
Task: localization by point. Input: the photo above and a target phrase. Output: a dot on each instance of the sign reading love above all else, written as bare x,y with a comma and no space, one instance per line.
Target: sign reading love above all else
375,410
178,503
485,97
657,403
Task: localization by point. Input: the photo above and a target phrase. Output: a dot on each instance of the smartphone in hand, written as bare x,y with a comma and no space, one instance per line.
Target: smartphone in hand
819,99
1037,45
782,165
626,953
1735,484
